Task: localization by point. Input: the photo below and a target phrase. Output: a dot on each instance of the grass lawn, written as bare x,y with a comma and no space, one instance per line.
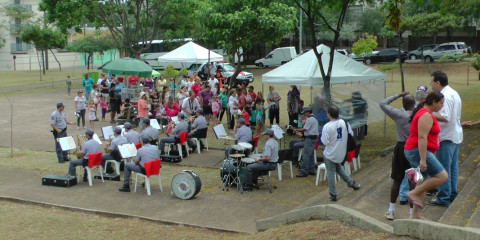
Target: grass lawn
21,221
23,78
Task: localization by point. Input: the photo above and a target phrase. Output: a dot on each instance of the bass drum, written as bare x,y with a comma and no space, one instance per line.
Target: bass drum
186,184
229,166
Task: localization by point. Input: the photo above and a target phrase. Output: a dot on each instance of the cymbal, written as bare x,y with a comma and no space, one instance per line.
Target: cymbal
237,155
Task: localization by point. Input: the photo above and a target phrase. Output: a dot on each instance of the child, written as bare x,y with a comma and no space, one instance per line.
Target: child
127,104
103,105
68,82
91,113
215,108
246,116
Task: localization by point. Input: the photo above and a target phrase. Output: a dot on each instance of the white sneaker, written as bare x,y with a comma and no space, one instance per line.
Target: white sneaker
389,215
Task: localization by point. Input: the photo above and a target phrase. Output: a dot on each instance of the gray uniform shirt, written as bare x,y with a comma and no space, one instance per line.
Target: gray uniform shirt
244,134
132,136
199,123
311,127
90,146
150,132
119,140
58,119
181,126
271,149
147,153
399,116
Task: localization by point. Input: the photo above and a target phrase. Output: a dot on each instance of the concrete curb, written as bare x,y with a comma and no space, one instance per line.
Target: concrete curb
432,230
112,215
328,211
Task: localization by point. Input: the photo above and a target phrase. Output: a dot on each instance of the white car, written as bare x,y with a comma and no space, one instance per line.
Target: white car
224,70
451,48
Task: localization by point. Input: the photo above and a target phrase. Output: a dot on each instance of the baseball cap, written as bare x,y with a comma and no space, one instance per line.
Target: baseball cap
146,120
128,125
268,131
142,93
241,121
89,132
199,111
60,104
117,130
422,88
181,115
145,138
307,109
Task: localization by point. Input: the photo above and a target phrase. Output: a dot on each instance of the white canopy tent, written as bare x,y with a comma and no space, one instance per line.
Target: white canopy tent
305,71
190,53
350,79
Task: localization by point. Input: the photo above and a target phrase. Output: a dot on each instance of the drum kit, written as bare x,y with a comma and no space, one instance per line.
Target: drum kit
232,169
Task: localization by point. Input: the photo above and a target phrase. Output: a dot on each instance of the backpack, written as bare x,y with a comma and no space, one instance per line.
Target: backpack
351,144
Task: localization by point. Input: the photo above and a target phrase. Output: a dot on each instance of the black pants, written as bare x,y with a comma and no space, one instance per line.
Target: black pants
274,113
81,114
291,119
221,114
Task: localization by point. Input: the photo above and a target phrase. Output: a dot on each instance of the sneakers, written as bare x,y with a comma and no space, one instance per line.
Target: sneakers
333,198
389,215
434,202
354,185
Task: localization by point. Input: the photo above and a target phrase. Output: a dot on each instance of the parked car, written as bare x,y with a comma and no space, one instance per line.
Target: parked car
277,57
360,58
344,52
224,70
451,48
385,55
416,54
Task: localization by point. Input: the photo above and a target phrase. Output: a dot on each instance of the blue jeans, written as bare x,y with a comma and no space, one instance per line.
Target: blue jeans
434,167
404,188
332,169
447,154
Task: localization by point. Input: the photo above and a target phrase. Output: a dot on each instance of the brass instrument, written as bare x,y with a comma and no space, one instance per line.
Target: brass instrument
109,141
79,146
190,119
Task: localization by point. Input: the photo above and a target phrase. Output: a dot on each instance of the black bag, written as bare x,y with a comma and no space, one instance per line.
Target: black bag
351,144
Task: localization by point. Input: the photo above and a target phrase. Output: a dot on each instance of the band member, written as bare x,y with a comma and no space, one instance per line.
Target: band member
181,126
297,144
243,134
113,153
266,162
149,131
89,146
131,135
146,153
199,123
310,131
58,121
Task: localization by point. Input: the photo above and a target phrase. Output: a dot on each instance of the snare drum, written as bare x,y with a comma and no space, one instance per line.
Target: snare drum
248,148
186,184
237,149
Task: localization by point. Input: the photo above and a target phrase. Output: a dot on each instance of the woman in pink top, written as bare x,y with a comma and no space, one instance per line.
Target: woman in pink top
420,148
197,87
171,107
142,110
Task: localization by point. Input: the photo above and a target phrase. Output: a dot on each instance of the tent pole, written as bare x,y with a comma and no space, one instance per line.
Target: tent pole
263,91
384,115
311,99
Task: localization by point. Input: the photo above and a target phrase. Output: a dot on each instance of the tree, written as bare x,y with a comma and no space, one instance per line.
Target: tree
430,25
372,21
44,39
132,24
316,13
237,25
91,44
346,33
394,20
365,45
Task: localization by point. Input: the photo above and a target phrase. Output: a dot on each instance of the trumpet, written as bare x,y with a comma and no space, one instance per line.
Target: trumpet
190,119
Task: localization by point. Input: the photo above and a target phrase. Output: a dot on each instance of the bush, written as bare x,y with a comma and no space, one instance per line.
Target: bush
476,61
365,45
455,58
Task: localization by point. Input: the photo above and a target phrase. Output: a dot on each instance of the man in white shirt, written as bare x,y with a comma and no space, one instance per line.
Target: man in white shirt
450,137
190,105
334,136
212,81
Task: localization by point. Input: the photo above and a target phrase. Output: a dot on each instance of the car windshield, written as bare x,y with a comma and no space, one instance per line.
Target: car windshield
194,67
228,67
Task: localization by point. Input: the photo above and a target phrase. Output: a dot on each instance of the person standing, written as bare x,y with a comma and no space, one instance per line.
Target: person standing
266,162
293,103
89,146
142,109
190,105
68,82
146,153
420,148
401,117
335,138
224,99
450,137
80,108
212,81
273,99
87,82
310,131
58,122
205,97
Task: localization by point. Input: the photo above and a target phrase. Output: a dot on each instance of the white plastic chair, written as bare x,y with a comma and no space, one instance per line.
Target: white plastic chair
151,168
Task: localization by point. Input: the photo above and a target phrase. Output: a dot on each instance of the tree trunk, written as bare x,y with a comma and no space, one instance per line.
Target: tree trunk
59,66
46,59
400,61
43,62
39,65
